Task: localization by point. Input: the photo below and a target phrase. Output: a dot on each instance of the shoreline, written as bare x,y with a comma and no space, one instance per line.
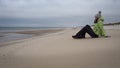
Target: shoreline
27,34
39,32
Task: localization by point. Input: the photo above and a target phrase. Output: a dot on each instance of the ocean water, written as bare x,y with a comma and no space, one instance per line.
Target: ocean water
13,29
8,33
13,36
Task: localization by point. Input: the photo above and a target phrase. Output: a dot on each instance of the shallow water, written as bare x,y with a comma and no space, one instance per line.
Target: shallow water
8,33
13,36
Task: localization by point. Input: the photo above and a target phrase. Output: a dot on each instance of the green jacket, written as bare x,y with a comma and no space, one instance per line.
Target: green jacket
98,28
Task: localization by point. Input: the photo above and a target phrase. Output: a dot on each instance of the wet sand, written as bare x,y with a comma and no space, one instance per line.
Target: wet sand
19,35
39,32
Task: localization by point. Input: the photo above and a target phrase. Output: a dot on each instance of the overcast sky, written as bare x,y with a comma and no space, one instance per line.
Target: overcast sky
57,8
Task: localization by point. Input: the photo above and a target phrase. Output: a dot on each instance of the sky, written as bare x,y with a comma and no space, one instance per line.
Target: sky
56,12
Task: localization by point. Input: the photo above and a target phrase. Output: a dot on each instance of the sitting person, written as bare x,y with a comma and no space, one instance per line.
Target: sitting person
96,32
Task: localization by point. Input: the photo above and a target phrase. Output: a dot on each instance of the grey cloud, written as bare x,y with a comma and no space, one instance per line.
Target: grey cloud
57,8
56,12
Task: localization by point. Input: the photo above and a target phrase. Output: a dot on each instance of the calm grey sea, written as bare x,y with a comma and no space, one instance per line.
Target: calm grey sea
8,33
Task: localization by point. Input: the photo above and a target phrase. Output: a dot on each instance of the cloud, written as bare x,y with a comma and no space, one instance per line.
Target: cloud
56,8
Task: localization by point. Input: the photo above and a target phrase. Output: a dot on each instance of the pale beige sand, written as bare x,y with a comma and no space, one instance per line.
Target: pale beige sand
59,50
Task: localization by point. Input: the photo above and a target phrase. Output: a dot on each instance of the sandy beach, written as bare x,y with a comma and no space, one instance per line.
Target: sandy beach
60,50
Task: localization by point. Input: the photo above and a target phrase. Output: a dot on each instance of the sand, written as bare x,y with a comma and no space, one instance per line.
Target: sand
60,50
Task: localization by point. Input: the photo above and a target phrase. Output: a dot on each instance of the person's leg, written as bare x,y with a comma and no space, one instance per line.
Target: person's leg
81,33
90,31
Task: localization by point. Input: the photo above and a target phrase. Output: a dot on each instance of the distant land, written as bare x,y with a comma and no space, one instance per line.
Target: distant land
117,23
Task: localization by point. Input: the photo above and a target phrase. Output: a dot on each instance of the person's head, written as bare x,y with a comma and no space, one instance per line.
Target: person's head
99,12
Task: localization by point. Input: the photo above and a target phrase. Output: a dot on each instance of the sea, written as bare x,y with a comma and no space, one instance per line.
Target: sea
8,33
